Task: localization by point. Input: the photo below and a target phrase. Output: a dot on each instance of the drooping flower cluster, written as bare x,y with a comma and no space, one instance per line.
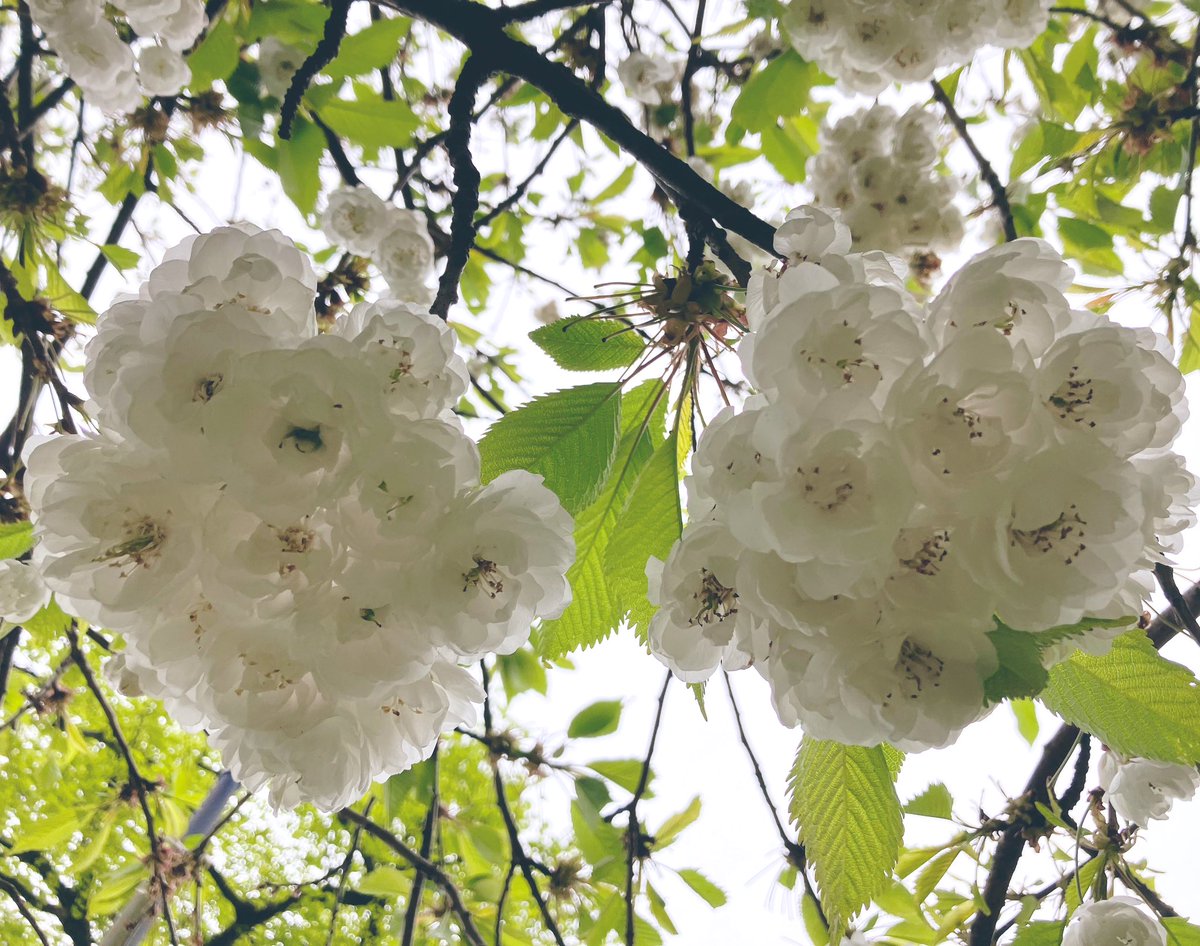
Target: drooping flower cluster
880,169
1142,790
1118,921
905,474
394,238
288,527
111,73
868,43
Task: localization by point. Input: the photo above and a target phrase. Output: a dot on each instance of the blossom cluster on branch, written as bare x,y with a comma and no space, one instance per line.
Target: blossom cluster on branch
868,44
113,74
880,169
396,239
909,474
287,526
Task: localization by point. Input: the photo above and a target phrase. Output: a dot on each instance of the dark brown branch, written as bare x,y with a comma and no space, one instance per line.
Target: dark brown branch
341,160
531,10
23,909
425,866
322,56
482,30
986,171
466,183
427,834
689,70
1166,580
795,851
137,783
518,857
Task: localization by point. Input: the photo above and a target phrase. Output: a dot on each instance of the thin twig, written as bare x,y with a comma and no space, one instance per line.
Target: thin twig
426,866
986,171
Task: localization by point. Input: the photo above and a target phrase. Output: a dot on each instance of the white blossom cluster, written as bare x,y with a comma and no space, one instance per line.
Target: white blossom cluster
112,74
906,473
395,239
287,526
867,44
1118,921
1142,790
881,170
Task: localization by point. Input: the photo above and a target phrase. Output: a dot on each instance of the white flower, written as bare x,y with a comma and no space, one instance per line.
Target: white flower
405,255
841,498
1015,289
262,270
162,71
116,535
698,607
497,562
410,354
1058,536
1119,921
355,218
23,592
1102,384
1142,790
867,44
849,337
277,63
809,232
965,418
291,424
643,77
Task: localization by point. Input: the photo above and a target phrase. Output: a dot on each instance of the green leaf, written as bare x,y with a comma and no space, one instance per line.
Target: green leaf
385,881
113,890
53,831
1027,722
623,772
1180,932
121,257
709,892
1133,699
935,802
371,121
781,89
673,826
789,145
844,802
215,58
810,912
568,437
580,343
933,873
1021,672
599,719
299,160
368,49
648,528
16,538
617,187
594,610
521,671
97,838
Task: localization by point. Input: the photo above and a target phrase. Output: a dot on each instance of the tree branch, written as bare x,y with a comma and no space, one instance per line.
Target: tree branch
986,171
482,30
322,56
423,864
466,183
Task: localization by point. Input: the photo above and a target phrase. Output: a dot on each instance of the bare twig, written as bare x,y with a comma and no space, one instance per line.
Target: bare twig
986,171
